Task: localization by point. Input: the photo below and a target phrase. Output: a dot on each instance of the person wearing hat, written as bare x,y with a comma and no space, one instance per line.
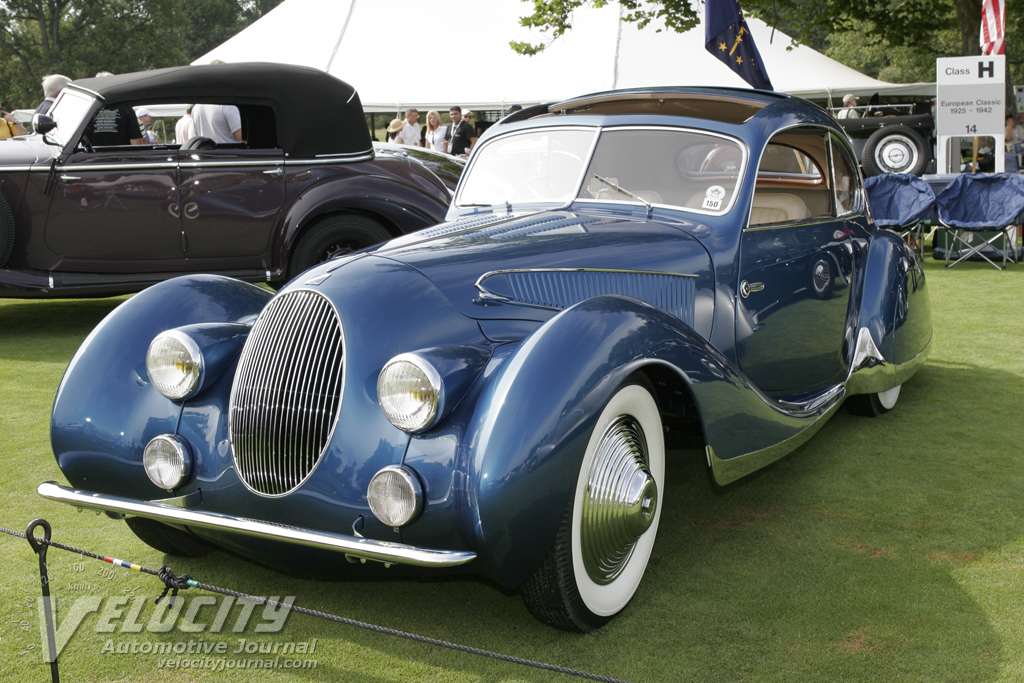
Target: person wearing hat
145,119
410,133
849,101
114,126
394,128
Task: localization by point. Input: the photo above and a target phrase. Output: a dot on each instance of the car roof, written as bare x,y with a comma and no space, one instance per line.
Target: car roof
317,114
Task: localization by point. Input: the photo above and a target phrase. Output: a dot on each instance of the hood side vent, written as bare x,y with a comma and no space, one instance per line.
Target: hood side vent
561,288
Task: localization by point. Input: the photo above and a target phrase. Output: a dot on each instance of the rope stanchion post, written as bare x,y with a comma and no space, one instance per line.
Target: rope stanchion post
173,583
39,547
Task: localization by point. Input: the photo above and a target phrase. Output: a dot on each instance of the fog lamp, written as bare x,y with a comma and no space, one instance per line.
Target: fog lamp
409,390
174,364
168,461
395,495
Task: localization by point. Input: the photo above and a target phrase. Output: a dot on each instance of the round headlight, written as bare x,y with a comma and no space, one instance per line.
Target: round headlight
395,495
409,391
168,461
174,364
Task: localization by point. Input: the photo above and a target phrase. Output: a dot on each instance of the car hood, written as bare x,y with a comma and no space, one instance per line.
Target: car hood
25,151
528,267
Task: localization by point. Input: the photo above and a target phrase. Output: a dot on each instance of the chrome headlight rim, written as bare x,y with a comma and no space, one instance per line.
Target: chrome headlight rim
406,478
408,422
179,472
194,377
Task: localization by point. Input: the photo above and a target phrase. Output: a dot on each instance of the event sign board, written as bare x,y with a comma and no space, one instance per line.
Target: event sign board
970,95
970,102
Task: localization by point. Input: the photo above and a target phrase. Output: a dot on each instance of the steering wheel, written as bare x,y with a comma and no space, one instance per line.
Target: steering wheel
86,145
527,191
720,157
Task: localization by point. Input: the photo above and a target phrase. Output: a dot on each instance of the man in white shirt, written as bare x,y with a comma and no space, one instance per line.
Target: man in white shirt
222,123
410,133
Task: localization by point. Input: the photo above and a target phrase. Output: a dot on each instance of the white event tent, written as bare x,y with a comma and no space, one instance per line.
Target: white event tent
399,53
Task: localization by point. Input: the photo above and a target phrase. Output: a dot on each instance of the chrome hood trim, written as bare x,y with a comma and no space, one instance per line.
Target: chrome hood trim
360,548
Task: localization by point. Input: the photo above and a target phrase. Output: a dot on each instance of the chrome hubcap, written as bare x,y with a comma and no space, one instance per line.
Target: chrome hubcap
619,502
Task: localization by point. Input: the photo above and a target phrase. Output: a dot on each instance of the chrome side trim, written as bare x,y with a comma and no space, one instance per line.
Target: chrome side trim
362,548
726,471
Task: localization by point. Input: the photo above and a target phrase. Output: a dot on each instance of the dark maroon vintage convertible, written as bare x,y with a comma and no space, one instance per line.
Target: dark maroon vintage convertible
306,183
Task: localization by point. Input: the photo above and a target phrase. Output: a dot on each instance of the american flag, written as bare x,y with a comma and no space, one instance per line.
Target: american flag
993,19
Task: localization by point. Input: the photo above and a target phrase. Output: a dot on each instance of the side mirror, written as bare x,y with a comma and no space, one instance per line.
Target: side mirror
42,124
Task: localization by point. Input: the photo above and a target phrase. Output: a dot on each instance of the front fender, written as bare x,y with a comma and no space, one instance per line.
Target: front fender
523,448
106,410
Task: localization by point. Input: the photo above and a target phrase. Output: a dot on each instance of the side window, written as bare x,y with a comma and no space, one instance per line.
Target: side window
792,178
847,182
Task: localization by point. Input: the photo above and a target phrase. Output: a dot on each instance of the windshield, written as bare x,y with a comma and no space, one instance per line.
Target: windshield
693,170
534,166
68,111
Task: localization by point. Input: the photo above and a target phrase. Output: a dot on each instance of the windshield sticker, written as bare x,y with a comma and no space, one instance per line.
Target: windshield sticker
713,198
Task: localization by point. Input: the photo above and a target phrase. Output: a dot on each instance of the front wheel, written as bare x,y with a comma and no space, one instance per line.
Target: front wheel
332,237
606,536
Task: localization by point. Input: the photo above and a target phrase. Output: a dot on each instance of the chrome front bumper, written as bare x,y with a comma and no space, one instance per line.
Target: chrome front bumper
352,546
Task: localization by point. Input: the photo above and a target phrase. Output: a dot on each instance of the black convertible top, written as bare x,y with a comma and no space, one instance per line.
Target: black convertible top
316,113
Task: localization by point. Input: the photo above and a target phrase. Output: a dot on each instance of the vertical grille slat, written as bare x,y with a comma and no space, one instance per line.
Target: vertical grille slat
286,397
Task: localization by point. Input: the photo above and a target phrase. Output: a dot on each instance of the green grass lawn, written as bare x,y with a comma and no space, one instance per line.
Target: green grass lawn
884,549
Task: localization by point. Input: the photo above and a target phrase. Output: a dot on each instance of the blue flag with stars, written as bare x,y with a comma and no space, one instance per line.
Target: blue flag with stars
727,37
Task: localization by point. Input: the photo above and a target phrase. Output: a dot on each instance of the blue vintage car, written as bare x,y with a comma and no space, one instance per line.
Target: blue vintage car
490,394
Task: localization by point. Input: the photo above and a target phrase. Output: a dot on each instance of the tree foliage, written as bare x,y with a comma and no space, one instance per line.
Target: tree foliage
78,38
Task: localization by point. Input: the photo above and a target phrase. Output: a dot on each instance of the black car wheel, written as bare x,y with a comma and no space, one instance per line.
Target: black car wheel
873,405
608,531
895,149
332,237
167,539
6,231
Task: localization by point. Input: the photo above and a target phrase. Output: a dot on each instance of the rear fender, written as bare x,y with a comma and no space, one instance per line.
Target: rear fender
106,410
894,327
523,447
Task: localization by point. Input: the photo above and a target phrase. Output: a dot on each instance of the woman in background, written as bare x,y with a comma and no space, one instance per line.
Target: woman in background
435,136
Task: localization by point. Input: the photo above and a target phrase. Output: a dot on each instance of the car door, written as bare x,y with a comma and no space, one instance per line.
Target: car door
796,264
232,193
110,206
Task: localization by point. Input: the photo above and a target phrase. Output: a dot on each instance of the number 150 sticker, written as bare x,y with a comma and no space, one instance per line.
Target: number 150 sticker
714,198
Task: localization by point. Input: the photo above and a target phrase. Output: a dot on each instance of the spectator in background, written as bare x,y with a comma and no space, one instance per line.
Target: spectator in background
394,128
9,127
222,123
145,119
410,133
113,126
436,137
185,129
52,85
849,101
461,136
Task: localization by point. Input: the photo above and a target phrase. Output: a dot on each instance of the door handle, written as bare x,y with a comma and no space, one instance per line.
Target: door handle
276,172
68,178
746,288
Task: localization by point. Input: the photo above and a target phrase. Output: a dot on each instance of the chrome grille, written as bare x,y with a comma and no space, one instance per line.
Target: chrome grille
287,392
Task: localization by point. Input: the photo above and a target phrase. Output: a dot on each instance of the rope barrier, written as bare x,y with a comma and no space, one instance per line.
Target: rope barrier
173,583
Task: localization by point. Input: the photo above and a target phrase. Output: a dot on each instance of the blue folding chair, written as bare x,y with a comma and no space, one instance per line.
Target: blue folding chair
900,202
980,202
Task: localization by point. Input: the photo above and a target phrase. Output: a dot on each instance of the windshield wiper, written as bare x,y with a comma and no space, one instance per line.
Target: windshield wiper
618,188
